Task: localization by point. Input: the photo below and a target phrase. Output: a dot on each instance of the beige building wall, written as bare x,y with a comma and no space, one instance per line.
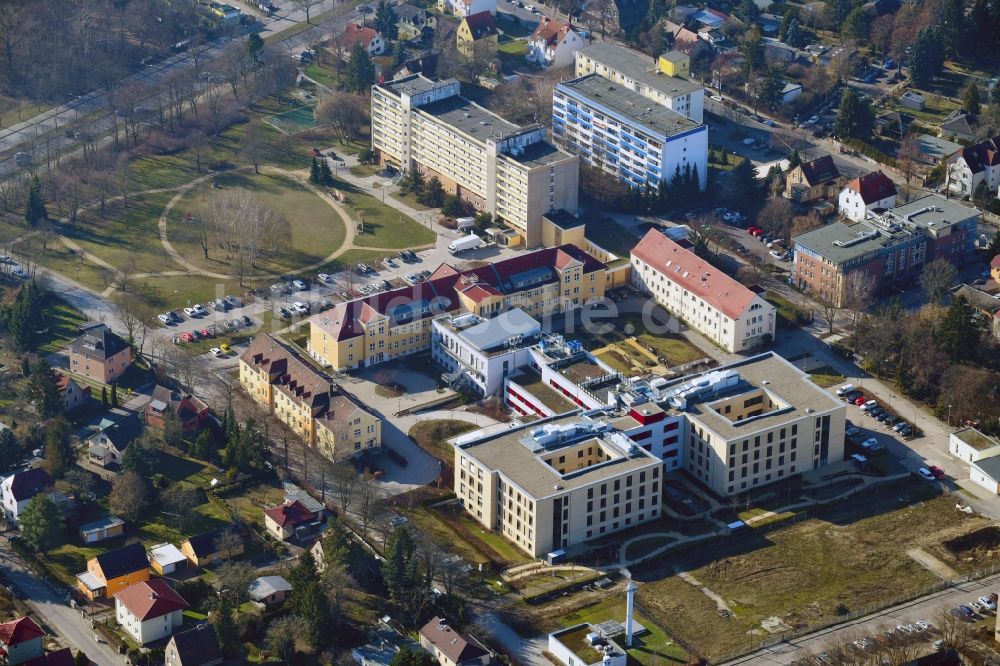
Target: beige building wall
344,437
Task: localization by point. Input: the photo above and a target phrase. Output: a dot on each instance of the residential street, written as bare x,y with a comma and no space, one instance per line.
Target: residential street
71,627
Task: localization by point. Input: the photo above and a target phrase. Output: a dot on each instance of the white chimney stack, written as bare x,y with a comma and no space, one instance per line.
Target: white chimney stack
629,602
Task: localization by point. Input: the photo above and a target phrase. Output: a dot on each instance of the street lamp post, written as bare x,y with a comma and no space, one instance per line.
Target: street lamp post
949,416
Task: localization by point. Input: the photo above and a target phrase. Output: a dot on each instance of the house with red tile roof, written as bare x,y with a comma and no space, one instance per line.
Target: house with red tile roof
975,164
282,520
20,641
702,296
554,43
369,38
150,610
372,330
452,648
865,194
73,395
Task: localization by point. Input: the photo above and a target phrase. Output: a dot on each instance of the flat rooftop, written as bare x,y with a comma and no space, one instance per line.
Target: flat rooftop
639,68
469,118
498,332
934,212
540,153
631,105
415,84
976,439
824,240
508,454
772,373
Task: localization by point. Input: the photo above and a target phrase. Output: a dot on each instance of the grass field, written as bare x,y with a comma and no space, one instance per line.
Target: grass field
653,648
675,349
410,200
62,322
826,377
314,229
431,436
385,227
849,557
321,74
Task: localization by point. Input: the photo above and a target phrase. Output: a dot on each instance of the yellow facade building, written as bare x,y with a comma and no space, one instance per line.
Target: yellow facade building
477,36
395,323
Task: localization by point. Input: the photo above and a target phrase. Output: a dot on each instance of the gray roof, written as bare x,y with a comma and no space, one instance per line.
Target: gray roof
977,298
936,147
989,466
102,524
934,212
305,498
408,11
414,84
639,67
822,241
469,118
539,153
495,332
265,586
635,108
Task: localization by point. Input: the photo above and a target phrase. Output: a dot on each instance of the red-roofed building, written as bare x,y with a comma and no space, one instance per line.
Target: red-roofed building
395,323
705,298
73,394
281,521
554,43
369,38
873,191
149,610
20,641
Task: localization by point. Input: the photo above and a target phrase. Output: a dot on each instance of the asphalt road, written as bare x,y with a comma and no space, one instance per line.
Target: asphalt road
72,628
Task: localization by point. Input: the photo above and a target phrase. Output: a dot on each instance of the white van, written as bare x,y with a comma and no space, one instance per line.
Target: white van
845,389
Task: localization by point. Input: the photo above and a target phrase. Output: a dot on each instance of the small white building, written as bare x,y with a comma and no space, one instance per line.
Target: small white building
584,645
166,558
480,351
975,164
149,611
970,445
19,488
463,8
269,590
986,473
554,43
861,196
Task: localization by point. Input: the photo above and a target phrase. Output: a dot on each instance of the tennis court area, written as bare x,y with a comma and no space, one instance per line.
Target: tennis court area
294,121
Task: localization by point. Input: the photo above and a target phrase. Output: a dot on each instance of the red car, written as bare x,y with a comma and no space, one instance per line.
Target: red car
187,337
751,229
205,333
315,152
860,400
936,471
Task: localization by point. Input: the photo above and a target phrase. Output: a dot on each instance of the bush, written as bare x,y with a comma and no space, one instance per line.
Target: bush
870,151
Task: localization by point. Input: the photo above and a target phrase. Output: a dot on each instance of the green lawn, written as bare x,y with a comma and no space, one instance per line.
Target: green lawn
432,435
385,227
62,324
789,314
826,377
10,115
410,200
249,504
311,231
513,48
653,648
365,170
321,74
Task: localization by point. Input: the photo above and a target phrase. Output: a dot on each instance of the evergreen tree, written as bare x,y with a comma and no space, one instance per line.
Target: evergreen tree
926,57
856,25
794,160
695,182
34,211
855,118
10,450
255,48
407,656
753,53
952,27
972,101
385,20
959,334
203,446
314,173
104,397
136,459
983,39
795,35
786,22
995,95
23,317
41,523
43,390
114,395
325,173
225,628
81,659
837,10
360,70
398,569
747,11
25,366
398,54
740,187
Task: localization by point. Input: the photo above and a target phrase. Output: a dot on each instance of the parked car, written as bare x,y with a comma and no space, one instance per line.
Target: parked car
936,471
845,389
216,352
247,321
190,312
884,417
233,301
776,254
164,319
990,604
869,405
851,431
206,333
199,309
323,277
300,307
412,278
284,313
300,285
906,430
860,400
926,475
174,317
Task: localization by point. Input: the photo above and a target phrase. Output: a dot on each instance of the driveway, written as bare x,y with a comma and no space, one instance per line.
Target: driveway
72,628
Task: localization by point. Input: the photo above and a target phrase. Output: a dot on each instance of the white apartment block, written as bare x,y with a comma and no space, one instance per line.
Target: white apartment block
480,351
618,131
555,484
706,299
497,166
642,75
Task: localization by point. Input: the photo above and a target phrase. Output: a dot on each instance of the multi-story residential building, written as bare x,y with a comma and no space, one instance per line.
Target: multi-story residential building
816,180
664,81
496,166
480,352
553,484
466,7
618,131
975,164
553,43
701,295
99,354
693,423
477,36
890,248
371,330
865,194
306,400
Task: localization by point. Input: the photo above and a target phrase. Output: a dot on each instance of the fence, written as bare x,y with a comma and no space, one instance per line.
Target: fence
651,618
853,615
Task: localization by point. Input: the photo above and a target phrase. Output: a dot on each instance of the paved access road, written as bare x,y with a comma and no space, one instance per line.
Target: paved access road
72,628
926,608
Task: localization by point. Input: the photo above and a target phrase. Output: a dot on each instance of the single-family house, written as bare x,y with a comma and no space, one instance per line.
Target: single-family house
959,125
63,657
206,549
149,611
451,648
554,43
873,191
198,646
687,41
17,490
191,412
812,181
20,641
414,22
269,590
107,446
113,572
384,642
281,521
72,394
108,527
769,24
975,164
99,354
166,558
477,36
466,7
369,38
295,494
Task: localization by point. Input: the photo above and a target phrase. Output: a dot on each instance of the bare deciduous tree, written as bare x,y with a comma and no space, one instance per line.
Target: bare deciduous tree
937,278
369,501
